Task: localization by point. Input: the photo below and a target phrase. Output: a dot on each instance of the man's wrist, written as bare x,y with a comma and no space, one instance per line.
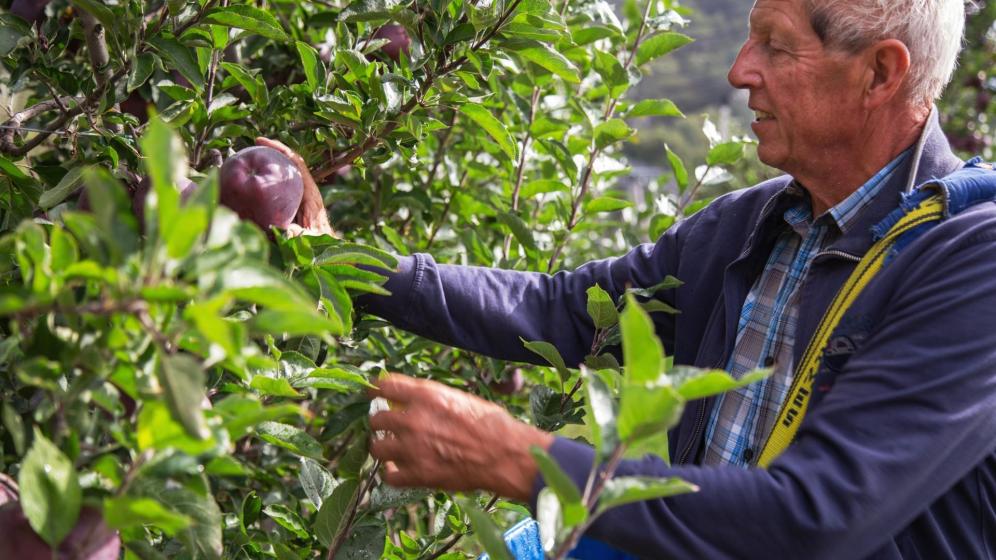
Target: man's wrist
526,469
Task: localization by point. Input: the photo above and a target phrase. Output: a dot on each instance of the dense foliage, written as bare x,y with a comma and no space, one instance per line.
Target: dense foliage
195,387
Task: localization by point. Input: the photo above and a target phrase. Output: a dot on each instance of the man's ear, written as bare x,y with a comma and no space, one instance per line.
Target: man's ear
888,65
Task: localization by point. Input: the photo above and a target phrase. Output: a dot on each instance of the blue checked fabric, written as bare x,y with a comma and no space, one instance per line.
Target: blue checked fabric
741,420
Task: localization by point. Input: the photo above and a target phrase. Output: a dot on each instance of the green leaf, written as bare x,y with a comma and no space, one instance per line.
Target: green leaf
605,204
180,57
123,513
250,18
364,542
287,519
610,132
549,353
694,383
203,538
69,183
368,10
600,414
678,168
331,519
612,72
726,153
551,60
668,283
601,308
50,491
643,354
310,62
298,323
659,45
158,430
12,31
629,489
182,380
274,387
483,118
316,481
487,532
541,186
519,229
255,88
290,438
572,508
140,73
654,108
646,410
352,253
658,306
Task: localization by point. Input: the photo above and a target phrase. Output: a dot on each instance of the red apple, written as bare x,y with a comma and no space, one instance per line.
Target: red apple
262,185
511,384
90,539
399,40
30,10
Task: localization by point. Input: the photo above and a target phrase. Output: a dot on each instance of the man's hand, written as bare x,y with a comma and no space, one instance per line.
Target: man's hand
440,437
311,217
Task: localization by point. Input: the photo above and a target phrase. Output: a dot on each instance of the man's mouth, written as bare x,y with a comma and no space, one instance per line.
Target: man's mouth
762,116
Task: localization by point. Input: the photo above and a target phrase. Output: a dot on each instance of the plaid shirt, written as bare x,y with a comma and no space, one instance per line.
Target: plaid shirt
742,420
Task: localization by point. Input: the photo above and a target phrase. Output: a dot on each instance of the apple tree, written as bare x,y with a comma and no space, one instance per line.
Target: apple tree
177,382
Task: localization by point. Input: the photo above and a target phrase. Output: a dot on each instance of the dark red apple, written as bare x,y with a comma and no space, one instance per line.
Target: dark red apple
511,384
90,539
262,185
398,37
30,10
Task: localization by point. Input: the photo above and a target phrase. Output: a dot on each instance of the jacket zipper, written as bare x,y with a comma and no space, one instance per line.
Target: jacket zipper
836,253
700,418
699,424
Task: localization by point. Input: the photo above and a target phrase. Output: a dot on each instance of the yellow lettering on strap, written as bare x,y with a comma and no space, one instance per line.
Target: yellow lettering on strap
795,405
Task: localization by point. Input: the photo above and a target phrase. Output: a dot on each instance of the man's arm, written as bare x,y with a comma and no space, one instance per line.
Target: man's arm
488,310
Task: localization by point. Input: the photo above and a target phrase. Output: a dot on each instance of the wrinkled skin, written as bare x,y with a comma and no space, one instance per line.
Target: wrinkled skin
400,41
90,539
439,437
263,185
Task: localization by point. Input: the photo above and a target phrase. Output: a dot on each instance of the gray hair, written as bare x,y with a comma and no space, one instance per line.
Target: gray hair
931,29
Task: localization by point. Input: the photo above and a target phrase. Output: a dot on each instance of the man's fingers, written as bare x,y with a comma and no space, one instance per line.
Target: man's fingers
389,421
388,448
276,145
399,388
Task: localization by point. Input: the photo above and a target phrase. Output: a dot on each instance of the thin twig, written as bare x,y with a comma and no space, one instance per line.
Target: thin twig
341,539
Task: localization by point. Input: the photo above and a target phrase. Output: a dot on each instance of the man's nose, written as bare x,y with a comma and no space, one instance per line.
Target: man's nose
744,72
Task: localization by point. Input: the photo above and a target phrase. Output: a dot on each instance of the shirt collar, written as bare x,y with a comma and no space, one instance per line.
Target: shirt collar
843,214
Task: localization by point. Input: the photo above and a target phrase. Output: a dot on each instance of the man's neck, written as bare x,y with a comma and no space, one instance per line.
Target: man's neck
883,138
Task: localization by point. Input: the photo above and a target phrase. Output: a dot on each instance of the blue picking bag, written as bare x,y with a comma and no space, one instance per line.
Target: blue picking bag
523,541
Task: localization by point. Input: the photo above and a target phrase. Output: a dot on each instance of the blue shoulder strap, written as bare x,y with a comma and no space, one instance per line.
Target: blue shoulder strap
972,184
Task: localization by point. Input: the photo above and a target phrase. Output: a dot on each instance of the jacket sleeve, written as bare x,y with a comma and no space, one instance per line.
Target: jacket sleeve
910,414
488,310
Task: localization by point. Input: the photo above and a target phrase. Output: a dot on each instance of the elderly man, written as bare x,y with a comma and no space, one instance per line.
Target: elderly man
896,457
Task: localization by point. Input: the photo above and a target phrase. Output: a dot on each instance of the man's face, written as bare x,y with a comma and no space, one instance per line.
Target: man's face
806,99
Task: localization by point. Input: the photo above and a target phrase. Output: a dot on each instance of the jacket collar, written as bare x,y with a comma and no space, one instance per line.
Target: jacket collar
931,159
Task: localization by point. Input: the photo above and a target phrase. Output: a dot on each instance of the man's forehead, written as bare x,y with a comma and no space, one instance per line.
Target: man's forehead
770,12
